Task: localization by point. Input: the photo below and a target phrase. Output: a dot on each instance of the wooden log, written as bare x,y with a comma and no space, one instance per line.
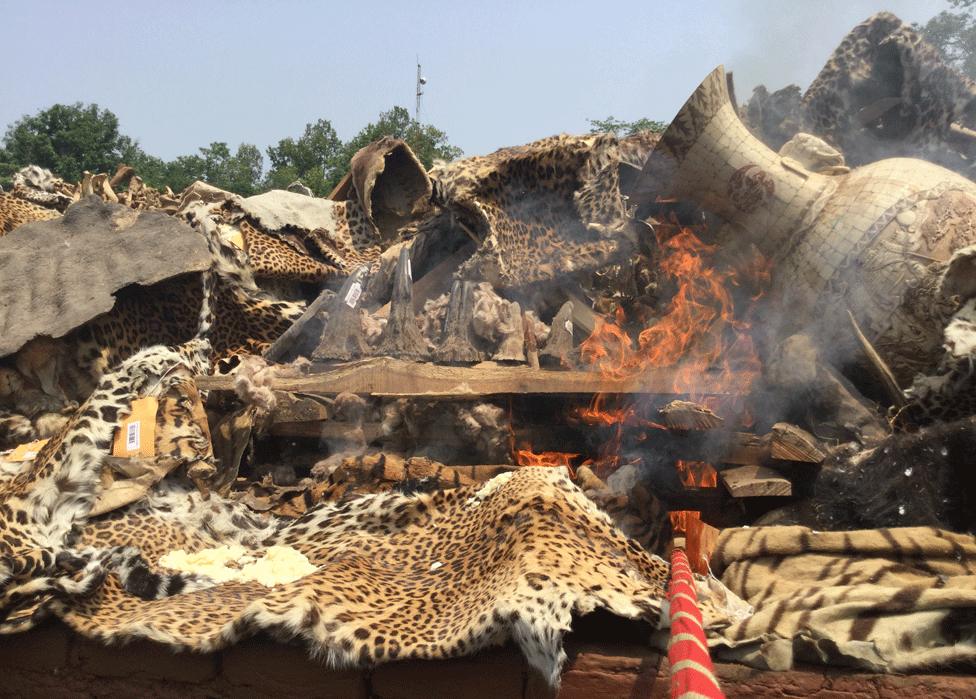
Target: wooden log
402,337
559,348
286,346
512,346
755,481
456,345
342,337
294,407
383,376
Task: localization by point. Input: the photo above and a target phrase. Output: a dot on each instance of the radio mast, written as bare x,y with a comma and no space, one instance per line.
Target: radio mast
421,81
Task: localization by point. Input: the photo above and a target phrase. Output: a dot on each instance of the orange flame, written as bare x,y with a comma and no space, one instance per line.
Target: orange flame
527,457
698,333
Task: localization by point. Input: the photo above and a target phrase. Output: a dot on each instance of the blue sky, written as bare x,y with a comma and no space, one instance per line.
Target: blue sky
182,74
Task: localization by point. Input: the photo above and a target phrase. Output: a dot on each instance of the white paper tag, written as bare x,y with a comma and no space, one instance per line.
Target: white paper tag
352,296
409,270
569,326
132,436
28,455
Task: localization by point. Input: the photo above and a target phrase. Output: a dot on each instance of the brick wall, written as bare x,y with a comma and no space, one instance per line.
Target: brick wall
53,662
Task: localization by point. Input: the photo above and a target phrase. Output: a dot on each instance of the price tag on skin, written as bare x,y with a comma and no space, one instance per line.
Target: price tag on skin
27,452
352,296
136,434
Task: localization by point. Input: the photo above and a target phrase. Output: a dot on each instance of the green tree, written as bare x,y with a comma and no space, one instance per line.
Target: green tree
239,172
67,139
426,141
310,158
625,128
953,34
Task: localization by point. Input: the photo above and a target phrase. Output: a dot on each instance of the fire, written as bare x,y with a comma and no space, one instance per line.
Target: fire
527,457
699,332
697,474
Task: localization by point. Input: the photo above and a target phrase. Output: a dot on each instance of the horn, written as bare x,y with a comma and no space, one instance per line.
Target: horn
860,240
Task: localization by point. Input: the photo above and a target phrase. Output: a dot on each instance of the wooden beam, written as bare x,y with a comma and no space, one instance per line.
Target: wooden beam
755,481
384,376
790,443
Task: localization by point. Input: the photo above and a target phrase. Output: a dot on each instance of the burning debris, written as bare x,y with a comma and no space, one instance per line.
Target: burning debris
687,333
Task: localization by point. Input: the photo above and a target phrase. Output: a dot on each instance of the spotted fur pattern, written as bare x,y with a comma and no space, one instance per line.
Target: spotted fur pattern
541,210
271,257
429,575
885,58
15,212
43,504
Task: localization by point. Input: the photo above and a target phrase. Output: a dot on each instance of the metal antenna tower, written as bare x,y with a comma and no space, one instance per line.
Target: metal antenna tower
421,81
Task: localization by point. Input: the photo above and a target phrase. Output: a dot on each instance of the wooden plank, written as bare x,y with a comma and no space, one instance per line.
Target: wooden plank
384,376
755,481
790,443
294,407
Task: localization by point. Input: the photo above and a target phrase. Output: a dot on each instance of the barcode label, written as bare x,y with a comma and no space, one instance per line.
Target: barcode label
132,436
352,296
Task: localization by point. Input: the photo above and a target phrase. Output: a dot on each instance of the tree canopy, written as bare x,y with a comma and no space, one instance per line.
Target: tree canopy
953,33
625,128
65,138
69,139
319,159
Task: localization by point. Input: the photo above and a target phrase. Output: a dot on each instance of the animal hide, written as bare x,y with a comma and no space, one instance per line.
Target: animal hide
541,210
425,576
885,92
397,576
887,600
288,235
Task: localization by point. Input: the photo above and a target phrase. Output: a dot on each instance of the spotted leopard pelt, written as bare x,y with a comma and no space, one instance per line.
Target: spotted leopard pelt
15,212
45,502
423,576
885,59
543,210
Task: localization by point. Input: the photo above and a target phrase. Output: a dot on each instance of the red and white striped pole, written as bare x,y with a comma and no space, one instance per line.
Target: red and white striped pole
692,673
